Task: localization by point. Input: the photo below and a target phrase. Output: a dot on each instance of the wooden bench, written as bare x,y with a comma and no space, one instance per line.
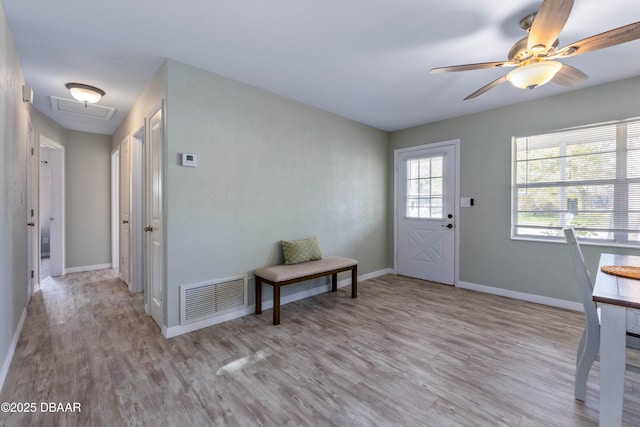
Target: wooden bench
282,275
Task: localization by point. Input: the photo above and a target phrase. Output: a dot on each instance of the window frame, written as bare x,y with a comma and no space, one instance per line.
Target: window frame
431,196
620,183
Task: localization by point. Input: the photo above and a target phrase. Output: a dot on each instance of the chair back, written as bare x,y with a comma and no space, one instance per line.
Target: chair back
582,276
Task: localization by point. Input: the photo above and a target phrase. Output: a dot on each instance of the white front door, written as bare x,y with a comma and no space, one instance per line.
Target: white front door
125,212
154,232
425,212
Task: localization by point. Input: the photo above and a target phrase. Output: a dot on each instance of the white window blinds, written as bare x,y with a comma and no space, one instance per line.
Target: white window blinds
587,177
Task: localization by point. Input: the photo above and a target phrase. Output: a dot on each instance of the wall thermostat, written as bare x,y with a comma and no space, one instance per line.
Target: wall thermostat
189,160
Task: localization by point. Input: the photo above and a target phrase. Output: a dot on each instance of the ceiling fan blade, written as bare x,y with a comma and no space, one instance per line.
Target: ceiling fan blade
467,67
569,76
548,23
485,88
609,38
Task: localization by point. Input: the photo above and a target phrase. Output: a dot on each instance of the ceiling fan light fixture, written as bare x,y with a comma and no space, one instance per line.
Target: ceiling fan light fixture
85,93
534,74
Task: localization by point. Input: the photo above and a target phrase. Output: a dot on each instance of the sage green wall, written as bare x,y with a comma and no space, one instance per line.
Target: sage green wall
13,188
488,256
268,169
87,199
47,127
153,95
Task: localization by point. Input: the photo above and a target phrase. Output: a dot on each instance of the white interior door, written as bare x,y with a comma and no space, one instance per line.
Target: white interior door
137,211
125,212
425,213
154,232
33,248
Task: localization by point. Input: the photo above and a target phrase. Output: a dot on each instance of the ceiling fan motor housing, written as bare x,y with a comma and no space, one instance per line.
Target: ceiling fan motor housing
520,51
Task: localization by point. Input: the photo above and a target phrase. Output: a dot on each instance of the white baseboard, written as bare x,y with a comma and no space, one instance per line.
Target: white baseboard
173,331
12,348
87,268
368,276
554,302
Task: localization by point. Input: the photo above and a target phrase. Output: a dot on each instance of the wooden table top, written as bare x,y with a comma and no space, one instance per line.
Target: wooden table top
616,290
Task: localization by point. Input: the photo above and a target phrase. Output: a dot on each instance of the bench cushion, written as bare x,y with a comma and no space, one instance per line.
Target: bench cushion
280,273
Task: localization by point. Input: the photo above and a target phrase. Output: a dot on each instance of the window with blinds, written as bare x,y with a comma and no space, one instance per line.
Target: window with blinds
587,177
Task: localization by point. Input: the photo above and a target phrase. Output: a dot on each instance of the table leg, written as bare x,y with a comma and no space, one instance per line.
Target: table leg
612,363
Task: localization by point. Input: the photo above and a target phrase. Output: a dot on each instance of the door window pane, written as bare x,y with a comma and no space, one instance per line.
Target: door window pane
425,187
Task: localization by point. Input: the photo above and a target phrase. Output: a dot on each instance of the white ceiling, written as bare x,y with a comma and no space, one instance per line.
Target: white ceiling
367,60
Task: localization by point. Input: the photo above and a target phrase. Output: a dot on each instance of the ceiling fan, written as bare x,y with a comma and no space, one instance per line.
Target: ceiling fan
535,56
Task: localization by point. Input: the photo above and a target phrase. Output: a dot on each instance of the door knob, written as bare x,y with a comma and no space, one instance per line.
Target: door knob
448,225
31,224
148,228
124,221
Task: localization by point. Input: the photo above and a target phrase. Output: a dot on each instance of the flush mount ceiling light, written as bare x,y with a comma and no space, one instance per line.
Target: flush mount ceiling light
535,74
85,93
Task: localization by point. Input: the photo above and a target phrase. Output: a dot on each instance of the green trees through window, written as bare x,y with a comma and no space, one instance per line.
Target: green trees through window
587,177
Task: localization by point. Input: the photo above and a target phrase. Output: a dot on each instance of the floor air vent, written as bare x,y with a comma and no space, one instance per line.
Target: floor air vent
201,301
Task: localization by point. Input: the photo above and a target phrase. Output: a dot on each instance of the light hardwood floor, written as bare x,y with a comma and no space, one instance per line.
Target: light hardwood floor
404,353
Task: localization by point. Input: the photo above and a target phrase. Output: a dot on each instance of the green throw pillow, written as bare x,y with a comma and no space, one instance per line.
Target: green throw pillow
303,250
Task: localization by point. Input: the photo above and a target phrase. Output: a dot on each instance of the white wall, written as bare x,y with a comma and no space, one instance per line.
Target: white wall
488,256
13,187
152,95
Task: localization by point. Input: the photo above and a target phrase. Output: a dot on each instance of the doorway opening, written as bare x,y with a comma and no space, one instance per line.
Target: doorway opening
51,209
128,210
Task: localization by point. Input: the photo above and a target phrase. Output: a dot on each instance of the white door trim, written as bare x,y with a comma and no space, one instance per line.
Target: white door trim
396,153
115,207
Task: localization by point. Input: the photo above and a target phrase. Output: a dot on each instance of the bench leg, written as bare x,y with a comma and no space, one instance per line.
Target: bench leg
276,304
334,282
258,295
354,282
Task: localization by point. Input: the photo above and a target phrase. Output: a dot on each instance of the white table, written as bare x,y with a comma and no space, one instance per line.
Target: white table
615,295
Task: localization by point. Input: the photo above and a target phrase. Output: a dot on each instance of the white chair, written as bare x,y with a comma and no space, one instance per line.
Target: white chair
590,343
